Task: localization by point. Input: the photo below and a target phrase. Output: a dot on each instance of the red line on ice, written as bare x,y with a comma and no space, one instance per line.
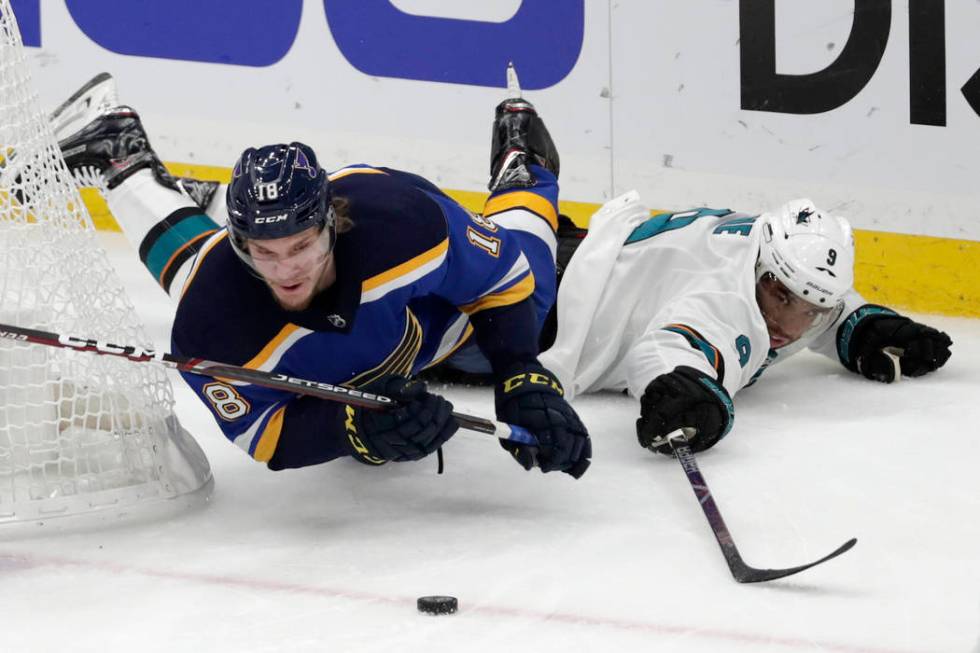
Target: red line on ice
21,561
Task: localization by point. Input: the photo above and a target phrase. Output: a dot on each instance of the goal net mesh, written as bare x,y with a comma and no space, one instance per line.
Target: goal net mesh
79,433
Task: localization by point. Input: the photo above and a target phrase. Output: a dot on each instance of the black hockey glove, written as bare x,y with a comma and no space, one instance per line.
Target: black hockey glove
528,395
684,398
921,349
418,426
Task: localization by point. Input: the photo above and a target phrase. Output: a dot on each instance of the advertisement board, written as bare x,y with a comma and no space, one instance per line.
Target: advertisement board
869,107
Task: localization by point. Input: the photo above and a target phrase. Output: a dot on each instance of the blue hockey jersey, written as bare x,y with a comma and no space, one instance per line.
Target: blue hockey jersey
410,274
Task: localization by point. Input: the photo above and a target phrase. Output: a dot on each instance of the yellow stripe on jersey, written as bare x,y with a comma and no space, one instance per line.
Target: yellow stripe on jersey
354,171
208,246
523,200
402,274
271,347
519,291
269,439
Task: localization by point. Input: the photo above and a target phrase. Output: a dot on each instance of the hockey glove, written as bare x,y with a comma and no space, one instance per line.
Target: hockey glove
684,398
921,348
416,427
528,395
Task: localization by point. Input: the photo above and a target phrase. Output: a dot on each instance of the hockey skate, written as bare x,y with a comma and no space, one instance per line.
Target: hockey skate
102,141
95,97
519,139
83,107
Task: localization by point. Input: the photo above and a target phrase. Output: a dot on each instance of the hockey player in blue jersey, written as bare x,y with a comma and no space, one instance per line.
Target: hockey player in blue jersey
362,277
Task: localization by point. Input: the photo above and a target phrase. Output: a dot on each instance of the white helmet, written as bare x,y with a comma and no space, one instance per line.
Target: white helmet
810,252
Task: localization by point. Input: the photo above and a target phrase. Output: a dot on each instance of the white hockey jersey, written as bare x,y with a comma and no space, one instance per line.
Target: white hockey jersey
645,293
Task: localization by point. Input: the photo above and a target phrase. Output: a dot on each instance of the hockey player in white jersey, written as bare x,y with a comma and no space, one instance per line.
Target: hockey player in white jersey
683,310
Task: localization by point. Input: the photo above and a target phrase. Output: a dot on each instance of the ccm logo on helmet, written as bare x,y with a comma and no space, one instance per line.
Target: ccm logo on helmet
269,219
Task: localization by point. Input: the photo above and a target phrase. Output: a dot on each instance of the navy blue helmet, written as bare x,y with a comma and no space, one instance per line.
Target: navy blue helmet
277,191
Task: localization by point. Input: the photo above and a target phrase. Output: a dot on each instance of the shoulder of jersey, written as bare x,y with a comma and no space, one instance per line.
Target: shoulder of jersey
397,217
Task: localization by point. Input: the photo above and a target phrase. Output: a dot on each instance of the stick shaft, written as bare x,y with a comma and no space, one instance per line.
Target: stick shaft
275,380
741,571
701,490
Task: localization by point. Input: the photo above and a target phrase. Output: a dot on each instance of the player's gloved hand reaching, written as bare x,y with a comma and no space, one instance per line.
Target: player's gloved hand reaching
420,423
528,395
684,398
921,348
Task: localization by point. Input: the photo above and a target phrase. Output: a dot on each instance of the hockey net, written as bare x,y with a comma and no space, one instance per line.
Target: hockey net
80,434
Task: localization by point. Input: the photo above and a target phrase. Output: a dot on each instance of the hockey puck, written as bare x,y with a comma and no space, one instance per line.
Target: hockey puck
437,604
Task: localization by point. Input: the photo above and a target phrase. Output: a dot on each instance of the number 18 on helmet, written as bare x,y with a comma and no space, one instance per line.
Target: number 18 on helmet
278,191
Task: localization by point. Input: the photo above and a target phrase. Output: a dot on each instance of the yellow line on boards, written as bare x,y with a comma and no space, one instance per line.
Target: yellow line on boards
918,273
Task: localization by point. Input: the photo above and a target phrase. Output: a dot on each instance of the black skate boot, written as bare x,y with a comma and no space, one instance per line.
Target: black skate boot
102,140
519,138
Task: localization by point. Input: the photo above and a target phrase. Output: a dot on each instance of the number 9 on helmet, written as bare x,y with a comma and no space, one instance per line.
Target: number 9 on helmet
808,251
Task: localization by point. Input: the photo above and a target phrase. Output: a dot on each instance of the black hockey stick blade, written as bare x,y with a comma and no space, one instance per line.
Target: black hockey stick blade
746,574
742,572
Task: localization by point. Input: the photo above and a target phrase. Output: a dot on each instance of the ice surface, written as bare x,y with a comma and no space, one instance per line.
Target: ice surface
332,558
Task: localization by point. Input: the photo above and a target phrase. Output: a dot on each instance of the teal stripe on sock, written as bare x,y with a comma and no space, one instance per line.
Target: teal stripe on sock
174,238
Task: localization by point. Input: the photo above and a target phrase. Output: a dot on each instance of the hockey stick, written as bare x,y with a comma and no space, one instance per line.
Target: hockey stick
741,571
222,371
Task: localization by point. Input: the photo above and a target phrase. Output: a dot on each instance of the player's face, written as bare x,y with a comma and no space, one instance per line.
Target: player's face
787,316
295,267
